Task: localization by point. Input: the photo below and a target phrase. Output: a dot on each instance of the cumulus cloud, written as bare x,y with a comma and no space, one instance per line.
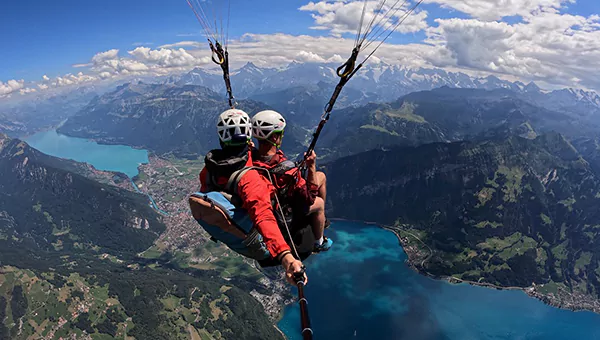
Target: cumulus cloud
73,79
164,57
497,9
546,45
11,86
272,50
344,16
104,56
311,57
27,90
464,39
556,48
62,81
144,60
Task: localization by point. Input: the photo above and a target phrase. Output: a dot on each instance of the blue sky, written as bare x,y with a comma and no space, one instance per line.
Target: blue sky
46,37
516,39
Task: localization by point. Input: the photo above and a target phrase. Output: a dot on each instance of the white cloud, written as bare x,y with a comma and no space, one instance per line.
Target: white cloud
464,39
344,16
138,44
103,56
11,86
195,44
27,90
62,81
143,61
164,57
104,75
72,79
271,50
547,46
82,65
497,9
311,57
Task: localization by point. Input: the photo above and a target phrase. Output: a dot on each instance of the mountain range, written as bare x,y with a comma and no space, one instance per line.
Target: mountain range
36,113
381,83
445,115
179,119
166,119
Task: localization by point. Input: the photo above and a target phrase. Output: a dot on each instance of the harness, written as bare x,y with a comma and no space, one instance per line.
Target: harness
298,239
281,208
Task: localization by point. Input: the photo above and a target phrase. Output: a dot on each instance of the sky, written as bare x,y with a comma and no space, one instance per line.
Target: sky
55,44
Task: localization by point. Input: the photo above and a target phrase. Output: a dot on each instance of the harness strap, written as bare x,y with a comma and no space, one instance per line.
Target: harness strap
231,192
234,180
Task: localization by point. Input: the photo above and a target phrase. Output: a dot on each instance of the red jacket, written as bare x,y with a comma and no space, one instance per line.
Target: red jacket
256,193
302,192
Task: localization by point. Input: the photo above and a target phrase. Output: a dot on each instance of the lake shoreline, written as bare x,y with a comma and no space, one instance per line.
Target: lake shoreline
567,301
106,141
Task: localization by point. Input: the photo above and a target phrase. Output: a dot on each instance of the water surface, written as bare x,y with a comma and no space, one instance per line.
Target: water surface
103,157
363,287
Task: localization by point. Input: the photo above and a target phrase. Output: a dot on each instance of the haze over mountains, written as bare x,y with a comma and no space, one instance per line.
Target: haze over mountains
381,83
176,119
302,90
37,113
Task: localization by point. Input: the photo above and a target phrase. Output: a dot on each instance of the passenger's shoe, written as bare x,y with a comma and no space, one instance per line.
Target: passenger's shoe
327,243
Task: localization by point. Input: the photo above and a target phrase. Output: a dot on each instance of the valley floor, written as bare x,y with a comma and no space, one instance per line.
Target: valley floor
170,182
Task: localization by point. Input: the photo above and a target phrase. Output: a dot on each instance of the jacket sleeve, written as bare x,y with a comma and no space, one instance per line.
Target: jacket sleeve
303,191
202,177
256,194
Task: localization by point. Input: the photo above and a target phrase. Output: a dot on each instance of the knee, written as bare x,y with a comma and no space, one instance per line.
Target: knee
318,206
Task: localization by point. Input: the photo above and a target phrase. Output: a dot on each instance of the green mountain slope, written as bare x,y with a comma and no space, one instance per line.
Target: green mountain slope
510,212
166,119
443,114
69,264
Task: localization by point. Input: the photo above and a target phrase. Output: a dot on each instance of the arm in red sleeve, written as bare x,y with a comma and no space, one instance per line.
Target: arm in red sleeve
302,190
202,177
256,193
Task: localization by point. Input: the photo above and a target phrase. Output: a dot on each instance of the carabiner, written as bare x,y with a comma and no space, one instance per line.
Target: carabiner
217,52
349,64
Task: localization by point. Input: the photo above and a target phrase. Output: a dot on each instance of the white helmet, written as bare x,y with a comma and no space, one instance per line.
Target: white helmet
267,122
234,127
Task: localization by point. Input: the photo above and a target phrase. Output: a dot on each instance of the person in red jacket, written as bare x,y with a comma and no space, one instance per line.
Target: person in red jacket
305,196
254,190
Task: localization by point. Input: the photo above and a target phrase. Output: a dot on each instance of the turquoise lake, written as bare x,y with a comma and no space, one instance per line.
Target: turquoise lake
103,157
362,286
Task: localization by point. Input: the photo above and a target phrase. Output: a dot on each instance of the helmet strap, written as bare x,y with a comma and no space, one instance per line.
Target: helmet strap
270,140
274,144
